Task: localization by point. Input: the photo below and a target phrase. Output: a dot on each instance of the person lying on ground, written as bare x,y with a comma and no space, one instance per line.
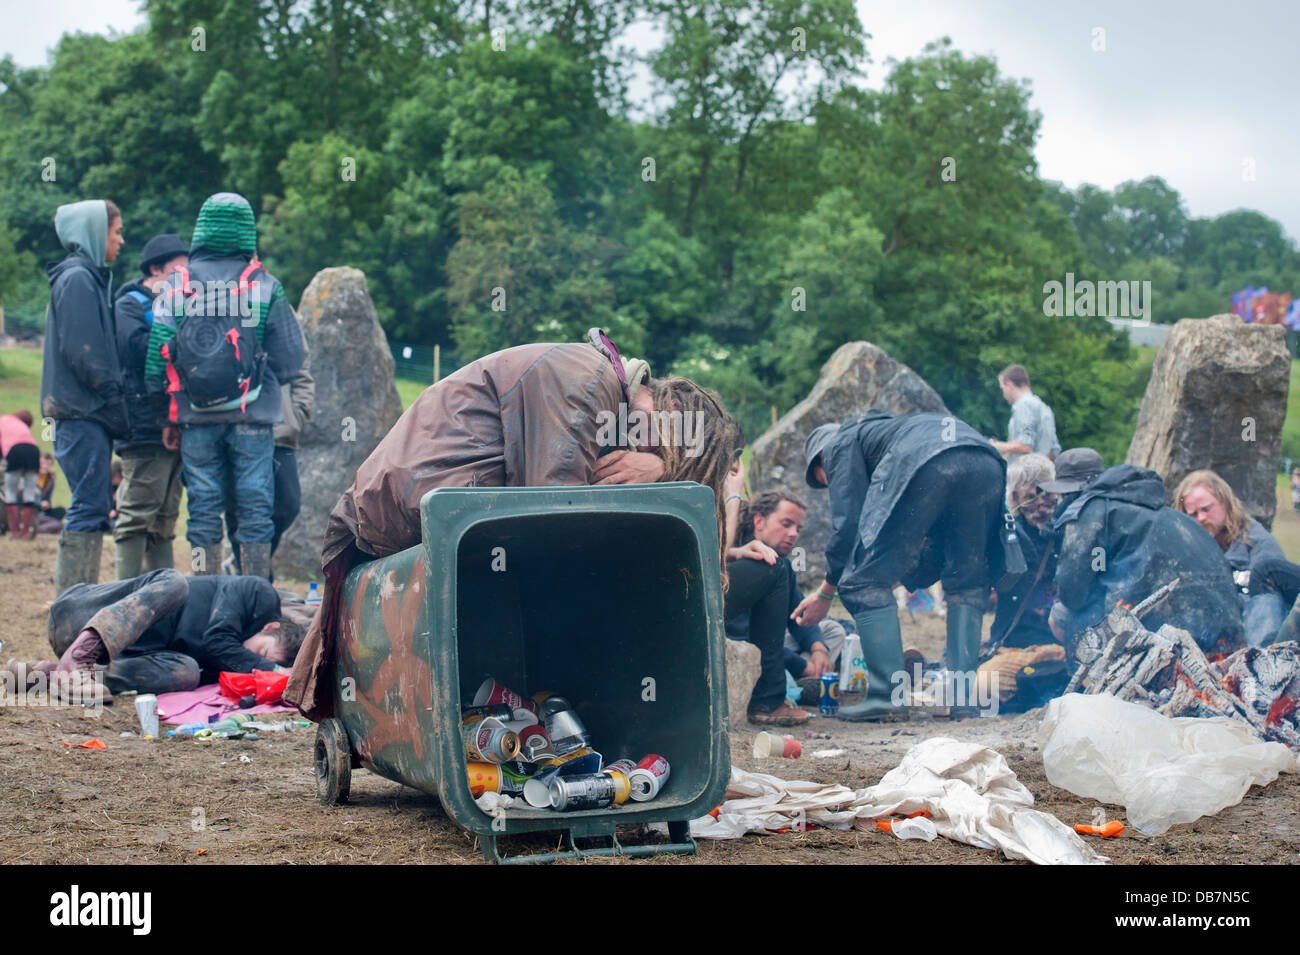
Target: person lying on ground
762,594
163,632
894,482
1208,499
1022,611
541,415
1121,544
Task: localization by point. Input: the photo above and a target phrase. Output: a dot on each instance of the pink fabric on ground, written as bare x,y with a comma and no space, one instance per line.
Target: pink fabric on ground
191,706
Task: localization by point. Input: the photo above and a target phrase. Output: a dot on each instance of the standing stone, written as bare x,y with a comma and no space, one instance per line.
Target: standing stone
1217,400
744,665
856,379
356,404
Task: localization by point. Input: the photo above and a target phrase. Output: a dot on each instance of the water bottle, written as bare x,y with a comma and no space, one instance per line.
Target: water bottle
313,595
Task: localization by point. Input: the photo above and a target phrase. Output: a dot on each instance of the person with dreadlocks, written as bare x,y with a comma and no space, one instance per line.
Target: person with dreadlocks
223,339
540,415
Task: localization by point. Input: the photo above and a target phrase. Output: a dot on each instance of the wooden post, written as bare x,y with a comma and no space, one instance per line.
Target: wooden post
437,359
773,415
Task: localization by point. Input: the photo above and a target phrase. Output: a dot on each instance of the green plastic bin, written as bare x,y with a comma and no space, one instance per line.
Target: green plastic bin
609,596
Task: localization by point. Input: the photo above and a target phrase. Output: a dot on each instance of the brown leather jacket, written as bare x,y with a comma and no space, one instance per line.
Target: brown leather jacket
523,417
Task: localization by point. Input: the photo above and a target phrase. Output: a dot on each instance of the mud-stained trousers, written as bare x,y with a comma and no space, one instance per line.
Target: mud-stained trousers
120,612
940,529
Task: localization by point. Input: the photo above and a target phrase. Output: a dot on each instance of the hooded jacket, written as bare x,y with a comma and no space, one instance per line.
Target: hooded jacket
870,461
297,399
81,377
225,241
1121,543
146,410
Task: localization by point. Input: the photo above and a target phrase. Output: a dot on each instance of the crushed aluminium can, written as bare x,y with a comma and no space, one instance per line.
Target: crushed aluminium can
563,726
649,777
597,791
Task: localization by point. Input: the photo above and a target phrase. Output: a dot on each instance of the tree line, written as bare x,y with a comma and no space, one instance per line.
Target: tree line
488,167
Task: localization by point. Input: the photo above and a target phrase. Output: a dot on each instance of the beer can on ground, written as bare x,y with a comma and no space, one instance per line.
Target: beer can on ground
597,791
490,742
622,787
649,777
830,698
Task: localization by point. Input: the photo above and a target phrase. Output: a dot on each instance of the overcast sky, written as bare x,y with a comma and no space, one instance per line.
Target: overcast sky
1185,89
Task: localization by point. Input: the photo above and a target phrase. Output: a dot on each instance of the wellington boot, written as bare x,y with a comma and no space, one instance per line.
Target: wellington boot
882,649
14,521
130,556
78,560
158,556
255,559
28,516
205,561
964,625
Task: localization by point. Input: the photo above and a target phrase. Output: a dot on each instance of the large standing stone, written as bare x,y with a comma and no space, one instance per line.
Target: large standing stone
856,379
356,404
1217,400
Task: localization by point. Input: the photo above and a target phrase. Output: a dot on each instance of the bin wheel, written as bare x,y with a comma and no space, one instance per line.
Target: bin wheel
333,763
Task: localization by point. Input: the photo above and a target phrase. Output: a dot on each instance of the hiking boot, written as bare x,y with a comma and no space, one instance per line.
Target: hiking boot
78,560
783,715
964,623
74,678
882,649
130,556
255,559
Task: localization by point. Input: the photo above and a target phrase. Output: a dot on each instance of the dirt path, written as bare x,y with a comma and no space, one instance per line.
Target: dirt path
239,801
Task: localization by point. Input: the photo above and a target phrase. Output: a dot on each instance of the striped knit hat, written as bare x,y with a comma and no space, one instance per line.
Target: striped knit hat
225,227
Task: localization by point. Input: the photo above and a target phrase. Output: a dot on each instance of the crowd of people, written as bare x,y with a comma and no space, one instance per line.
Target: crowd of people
196,376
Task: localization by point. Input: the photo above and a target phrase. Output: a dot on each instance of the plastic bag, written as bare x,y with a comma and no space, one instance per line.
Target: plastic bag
1163,771
266,686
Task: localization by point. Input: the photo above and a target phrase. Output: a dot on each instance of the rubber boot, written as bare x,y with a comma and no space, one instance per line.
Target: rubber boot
29,521
882,649
15,524
965,623
130,556
205,561
255,559
159,556
78,560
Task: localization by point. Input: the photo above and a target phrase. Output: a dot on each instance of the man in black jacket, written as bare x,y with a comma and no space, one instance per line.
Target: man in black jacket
149,498
81,380
1121,543
896,482
163,632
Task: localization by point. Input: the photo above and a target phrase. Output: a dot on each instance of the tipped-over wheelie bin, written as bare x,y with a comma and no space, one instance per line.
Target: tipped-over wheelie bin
608,596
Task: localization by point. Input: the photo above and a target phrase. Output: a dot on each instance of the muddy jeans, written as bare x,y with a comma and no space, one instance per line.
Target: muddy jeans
120,612
149,499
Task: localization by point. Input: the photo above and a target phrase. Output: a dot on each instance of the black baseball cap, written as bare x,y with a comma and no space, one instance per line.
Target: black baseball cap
1074,469
160,249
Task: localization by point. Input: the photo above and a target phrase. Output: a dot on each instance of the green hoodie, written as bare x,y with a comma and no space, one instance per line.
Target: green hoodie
225,228
83,227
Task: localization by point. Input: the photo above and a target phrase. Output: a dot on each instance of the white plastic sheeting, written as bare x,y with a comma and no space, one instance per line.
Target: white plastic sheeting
1163,771
969,790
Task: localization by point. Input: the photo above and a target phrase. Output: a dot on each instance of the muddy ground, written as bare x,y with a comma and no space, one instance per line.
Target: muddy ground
236,801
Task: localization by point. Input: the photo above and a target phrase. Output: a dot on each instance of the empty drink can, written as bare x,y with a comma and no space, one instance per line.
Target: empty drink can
830,698
490,742
649,777
563,726
597,791
622,787
623,766
483,778
498,711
